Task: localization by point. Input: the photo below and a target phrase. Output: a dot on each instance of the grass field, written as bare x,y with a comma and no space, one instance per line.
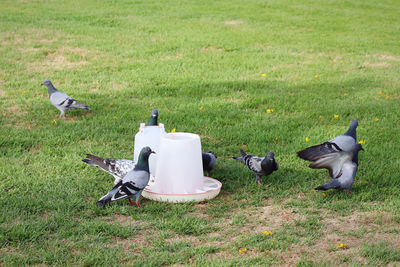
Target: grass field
211,68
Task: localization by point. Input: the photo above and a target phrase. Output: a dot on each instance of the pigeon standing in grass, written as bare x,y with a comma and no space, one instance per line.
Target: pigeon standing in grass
153,121
339,156
209,160
133,182
62,101
116,167
260,166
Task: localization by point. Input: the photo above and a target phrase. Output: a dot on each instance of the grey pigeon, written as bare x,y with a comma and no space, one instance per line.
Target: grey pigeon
153,119
339,156
116,167
259,165
62,101
133,182
209,160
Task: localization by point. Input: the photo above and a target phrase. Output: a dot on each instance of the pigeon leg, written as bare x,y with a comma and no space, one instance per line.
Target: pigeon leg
348,192
258,178
137,204
130,202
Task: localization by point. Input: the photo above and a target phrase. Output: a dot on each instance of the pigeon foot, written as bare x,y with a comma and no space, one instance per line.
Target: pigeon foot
137,204
130,202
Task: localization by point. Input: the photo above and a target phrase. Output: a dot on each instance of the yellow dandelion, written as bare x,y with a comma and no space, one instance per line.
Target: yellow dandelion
316,76
341,245
276,139
173,130
361,142
24,92
243,250
376,119
269,111
387,97
54,121
115,117
206,127
381,93
336,116
320,116
268,233
201,108
323,194
345,94
307,139
264,75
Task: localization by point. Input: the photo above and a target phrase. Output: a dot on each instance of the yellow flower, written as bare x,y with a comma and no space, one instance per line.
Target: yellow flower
115,117
387,97
336,116
201,108
345,94
381,93
341,245
323,194
269,111
264,75
361,142
307,139
316,76
173,130
206,127
276,139
320,116
376,119
268,233
54,121
24,92
243,250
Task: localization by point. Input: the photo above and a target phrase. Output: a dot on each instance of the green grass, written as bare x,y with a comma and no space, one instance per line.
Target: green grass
124,58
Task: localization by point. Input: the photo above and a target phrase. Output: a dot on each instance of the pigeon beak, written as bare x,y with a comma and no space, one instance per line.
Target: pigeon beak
153,152
42,83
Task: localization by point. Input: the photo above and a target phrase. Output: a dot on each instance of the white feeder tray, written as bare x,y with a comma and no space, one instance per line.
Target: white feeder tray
211,189
179,171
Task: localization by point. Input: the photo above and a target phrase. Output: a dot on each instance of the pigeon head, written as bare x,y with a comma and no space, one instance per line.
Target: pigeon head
146,152
359,147
153,119
47,83
143,160
210,152
270,155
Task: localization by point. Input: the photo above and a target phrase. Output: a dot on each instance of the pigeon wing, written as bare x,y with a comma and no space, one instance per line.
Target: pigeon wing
254,163
60,99
333,162
314,152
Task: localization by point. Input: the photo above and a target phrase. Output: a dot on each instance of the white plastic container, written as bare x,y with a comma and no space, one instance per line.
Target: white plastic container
179,171
149,136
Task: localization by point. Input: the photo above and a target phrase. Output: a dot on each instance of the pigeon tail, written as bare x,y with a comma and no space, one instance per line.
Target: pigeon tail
352,130
79,105
95,161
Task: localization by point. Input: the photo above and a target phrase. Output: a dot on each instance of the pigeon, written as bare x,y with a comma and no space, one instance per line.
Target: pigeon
153,119
339,156
133,182
62,101
260,166
209,160
116,167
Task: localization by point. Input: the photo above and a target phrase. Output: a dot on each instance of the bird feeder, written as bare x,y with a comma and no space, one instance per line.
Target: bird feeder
179,172
149,136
